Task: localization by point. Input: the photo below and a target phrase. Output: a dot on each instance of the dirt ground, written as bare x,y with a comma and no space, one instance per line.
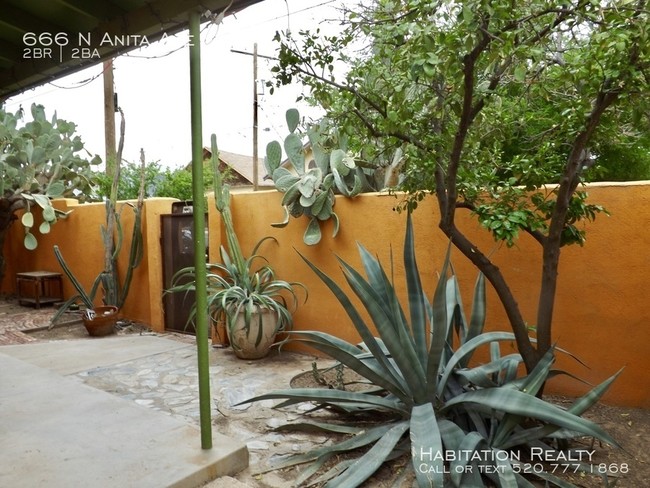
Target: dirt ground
630,427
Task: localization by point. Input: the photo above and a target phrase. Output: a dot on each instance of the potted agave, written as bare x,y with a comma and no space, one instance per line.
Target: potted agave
244,293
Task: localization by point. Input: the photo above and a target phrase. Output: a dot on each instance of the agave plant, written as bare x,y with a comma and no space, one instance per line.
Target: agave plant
239,286
463,424
232,293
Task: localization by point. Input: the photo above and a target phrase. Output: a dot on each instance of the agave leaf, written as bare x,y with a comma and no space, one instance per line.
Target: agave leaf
524,483
367,437
387,298
377,376
402,353
550,478
416,297
587,401
438,329
452,435
425,443
504,471
320,427
518,403
477,319
458,466
580,406
367,464
481,375
331,473
359,324
467,348
534,381
299,395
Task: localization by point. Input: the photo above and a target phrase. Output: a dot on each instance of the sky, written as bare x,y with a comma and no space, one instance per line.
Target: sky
152,85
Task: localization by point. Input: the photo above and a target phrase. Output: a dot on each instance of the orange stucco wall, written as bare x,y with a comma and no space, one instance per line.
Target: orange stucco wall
602,311
79,238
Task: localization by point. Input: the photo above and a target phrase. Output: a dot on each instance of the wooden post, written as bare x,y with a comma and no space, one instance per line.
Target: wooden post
255,157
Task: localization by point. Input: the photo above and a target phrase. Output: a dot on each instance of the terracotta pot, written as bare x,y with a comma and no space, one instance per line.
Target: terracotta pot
243,342
103,323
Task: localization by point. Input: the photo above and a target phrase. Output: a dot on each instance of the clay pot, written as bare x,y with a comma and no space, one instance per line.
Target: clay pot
103,323
243,342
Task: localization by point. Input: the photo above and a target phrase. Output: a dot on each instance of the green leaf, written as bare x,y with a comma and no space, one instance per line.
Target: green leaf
55,189
312,233
285,221
367,464
293,148
516,402
293,119
426,443
49,214
520,73
27,219
335,219
42,200
30,241
273,157
44,228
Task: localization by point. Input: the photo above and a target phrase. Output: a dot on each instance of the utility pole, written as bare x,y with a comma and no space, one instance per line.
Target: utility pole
255,158
255,108
109,118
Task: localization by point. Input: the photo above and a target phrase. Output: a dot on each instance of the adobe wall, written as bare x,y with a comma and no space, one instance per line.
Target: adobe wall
602,309
79,239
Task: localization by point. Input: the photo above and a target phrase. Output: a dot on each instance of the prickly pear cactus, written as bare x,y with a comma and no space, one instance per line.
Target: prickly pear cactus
38,162
309,187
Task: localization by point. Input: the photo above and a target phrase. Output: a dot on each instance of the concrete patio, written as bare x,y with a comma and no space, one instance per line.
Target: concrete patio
122,411
59,432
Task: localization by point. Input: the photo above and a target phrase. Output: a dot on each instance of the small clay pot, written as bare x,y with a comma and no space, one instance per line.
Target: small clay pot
103,323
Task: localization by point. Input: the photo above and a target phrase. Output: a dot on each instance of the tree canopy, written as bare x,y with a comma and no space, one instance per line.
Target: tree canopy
500,108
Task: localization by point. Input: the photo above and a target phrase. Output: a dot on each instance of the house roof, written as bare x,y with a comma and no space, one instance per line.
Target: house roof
242,165
41,41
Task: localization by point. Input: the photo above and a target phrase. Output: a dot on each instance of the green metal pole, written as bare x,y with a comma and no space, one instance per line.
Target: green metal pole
198,196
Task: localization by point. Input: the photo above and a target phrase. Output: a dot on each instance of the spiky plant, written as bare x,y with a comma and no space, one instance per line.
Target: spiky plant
463,423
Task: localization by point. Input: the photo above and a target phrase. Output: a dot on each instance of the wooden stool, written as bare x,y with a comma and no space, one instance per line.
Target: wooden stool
46,287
